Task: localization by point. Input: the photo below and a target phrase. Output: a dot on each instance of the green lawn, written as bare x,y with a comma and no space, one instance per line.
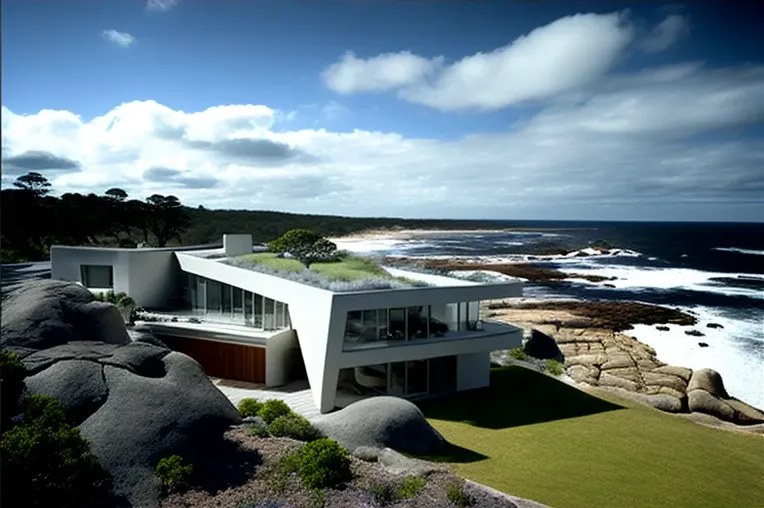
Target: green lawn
347,270
532,436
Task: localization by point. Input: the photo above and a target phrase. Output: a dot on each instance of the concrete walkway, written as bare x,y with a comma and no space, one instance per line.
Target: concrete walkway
296,394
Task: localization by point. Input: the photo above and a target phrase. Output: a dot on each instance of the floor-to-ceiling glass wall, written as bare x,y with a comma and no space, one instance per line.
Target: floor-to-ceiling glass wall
405,379
226,303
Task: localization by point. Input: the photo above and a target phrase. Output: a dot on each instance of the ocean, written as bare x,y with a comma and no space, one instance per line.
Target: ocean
696,267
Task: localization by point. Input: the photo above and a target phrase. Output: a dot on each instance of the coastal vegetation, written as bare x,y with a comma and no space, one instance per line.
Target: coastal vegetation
561,446
115,219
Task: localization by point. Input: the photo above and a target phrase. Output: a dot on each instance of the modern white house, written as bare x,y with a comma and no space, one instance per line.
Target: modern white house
248,325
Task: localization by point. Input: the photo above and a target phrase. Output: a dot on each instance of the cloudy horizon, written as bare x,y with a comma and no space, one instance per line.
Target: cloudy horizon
574,113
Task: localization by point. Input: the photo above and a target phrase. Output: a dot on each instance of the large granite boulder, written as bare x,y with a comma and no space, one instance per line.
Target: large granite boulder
135,401
706,394
382,422
541,345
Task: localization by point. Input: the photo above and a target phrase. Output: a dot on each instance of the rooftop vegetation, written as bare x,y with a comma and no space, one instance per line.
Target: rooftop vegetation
320,265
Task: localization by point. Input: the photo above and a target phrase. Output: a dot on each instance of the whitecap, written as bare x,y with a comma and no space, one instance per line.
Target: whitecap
740,251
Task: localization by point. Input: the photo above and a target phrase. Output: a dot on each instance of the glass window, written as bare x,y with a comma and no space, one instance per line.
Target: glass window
201,295
416,326
248,303
214,296
372,377
354,326
382,323
397,325
397,378
369,325
238,303
269,321
258,311
288,317
416,377
280,316
97,276
443,374
227,299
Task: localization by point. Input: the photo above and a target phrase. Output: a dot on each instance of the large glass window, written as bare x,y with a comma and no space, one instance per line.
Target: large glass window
248,303
443,374
397,378
214,297
397,325
269,317
238,303
227,300
416,377
258,311
97,276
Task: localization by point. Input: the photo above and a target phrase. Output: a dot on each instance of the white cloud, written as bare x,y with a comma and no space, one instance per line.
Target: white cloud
563,56
161,5
380,73
667,33
123,39
630,145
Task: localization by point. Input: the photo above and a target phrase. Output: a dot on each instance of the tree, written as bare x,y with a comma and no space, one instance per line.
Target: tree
34,183
116,194
304,245
167,218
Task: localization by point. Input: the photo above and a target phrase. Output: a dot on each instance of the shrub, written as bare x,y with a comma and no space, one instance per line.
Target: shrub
410,488
45,458
258,431
12,375
457,496
518,354
554,367
383,494
174,473
249,407
294,426
323,463
272,409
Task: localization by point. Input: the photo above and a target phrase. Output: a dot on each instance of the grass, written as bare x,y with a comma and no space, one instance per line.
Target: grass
535,437
348,269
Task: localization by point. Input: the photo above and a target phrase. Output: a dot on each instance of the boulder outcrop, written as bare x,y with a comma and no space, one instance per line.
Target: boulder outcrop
603,357
382,422
135,401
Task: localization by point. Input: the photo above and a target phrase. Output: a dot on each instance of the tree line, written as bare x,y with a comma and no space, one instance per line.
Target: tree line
33,219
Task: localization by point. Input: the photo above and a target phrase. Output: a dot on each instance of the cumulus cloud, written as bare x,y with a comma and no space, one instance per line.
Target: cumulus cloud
122,39
667,33
635,146
563,56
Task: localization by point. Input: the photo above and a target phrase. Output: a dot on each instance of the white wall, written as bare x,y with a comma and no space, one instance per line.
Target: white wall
473,370
310,310
149,276
236,245
279,355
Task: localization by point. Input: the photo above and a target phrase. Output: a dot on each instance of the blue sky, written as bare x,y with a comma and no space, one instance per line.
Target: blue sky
194,55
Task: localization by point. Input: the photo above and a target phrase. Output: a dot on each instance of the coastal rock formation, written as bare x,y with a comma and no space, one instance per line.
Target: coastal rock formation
382,422
599,356
136,402
541,345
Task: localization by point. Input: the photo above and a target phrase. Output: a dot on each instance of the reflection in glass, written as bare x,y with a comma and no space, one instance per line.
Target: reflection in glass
269,321
397,378
214,299
258,311
238,303
397,324
248,308
372,376
226,298
416,377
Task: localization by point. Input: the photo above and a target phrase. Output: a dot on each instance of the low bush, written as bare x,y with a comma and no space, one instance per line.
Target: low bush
383,493
174,473
323,463
258,431
272,409
12,375
412,485
294,426
249,407
457,495
518,354
44,458
554,367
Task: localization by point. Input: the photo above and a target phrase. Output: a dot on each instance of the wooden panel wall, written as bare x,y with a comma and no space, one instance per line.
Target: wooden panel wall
227,361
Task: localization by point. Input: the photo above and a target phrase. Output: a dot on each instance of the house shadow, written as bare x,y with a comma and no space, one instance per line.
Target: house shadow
517,396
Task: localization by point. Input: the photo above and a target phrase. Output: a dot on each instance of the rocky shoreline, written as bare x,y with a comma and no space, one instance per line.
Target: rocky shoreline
586,338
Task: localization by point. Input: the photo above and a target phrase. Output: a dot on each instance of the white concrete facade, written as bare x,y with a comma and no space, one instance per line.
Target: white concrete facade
318,317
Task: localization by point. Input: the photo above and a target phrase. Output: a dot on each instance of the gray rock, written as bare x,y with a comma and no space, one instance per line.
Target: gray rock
400,464
77,383
135,401
367,453
704,402
255,421
541,345
746,414
485,496
145,419
382,422
41,314
708,380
